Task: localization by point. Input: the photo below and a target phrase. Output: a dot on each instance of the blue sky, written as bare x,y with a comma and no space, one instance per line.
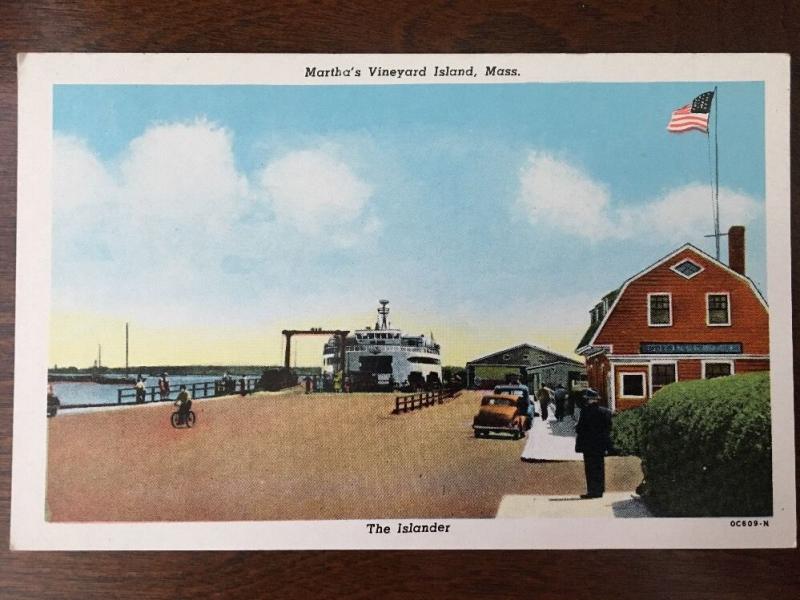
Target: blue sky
493,213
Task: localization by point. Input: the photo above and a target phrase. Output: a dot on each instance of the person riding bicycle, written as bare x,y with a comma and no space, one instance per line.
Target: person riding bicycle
184,403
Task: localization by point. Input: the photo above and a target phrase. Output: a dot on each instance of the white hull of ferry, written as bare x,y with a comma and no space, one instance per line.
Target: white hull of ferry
385,353
403,363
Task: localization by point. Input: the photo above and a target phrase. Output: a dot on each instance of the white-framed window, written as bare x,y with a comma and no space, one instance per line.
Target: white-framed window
718,309
717,368
661,374
631,385
659,309
687,268
506,357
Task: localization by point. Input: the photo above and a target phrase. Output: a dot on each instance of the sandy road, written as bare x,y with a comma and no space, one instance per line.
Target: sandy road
292,456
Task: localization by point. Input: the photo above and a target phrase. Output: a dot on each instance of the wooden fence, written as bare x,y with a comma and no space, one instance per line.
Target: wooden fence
422,399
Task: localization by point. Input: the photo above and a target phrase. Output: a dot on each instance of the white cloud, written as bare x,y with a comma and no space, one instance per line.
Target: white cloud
559,195
172,220
314,190
80,179
686,211
183,170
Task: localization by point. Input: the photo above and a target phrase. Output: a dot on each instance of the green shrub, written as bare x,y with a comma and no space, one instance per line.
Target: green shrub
626,432
706,448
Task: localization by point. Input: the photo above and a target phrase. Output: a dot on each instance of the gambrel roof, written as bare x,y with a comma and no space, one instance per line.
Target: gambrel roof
591,333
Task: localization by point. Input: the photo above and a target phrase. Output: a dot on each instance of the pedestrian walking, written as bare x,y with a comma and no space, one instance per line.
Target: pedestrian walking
140,391
572,397
593,441
560,396
337,382
163,387
543,396
524,403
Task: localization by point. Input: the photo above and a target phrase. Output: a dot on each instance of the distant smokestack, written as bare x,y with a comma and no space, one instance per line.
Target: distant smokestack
736,248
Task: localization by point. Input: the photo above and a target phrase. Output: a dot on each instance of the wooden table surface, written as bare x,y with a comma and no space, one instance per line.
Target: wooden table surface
326,26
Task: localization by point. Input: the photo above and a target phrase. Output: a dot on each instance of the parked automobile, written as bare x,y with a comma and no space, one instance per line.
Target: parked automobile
499,413
523,395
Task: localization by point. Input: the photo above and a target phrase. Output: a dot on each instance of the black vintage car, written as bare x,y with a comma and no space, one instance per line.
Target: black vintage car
274,379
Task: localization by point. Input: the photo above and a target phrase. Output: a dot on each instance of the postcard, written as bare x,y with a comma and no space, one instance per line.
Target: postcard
403,302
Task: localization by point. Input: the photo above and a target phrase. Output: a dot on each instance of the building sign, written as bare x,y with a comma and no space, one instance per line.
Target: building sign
690,348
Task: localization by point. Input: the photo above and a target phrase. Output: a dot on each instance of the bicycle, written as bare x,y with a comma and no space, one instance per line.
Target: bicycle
177,419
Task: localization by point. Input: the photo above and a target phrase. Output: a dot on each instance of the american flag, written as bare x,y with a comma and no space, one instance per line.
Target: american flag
692,116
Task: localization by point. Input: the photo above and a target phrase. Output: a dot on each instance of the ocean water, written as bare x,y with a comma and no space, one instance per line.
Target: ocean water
105,393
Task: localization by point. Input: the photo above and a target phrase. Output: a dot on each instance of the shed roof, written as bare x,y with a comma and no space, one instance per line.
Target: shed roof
517,356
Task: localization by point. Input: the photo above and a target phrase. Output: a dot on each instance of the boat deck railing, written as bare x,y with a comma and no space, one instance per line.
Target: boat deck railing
396,347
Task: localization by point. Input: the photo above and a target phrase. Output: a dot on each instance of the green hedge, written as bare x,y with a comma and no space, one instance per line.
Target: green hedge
706,448
626,433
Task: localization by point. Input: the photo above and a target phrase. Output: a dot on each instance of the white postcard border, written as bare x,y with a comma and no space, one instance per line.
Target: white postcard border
39,72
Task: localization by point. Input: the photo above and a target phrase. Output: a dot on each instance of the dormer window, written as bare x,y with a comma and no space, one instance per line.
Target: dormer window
597,313
687,268
659,309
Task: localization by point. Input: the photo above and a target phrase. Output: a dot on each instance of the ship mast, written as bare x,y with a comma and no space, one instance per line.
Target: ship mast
126,348
383,311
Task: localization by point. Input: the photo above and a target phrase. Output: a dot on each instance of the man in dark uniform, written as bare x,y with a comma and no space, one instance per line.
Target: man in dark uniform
594,440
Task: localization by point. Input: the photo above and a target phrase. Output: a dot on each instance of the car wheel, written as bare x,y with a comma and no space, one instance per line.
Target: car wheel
477,433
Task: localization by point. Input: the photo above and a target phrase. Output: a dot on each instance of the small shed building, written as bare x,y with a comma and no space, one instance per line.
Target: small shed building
531,364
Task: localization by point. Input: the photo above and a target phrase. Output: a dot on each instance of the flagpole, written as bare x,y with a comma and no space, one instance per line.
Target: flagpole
716,168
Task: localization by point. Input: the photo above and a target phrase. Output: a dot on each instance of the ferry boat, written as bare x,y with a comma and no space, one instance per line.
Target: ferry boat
385,357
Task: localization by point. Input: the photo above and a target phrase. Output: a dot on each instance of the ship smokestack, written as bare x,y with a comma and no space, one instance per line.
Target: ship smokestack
736,249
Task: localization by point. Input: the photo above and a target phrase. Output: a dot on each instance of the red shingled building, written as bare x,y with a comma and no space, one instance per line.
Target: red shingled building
688,316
